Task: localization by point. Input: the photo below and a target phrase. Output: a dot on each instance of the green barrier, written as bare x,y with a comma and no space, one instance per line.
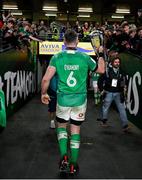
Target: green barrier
18,77
132,67
2,109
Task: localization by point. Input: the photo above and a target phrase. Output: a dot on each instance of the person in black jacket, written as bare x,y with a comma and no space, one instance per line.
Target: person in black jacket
112,85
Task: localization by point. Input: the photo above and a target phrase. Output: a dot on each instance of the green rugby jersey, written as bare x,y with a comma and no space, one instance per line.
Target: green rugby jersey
72,69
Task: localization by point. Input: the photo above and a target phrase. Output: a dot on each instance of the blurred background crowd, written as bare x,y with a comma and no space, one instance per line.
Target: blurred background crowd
18,32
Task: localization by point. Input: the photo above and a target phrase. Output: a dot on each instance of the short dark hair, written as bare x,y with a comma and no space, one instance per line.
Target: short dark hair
11,21
114,58
70,36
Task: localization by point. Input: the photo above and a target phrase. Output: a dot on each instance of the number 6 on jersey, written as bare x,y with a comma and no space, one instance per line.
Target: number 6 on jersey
71,81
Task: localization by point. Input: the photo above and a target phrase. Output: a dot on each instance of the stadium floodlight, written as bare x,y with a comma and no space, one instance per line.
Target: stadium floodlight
125,11
85,9
7,6
17,13
83,15
49,8
117,17
51,14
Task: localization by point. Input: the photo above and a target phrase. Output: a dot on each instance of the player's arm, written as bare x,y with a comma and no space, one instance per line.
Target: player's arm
101,61
45,84
35,39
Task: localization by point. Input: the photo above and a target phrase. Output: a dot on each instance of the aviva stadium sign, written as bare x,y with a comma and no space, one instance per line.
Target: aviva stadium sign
50,48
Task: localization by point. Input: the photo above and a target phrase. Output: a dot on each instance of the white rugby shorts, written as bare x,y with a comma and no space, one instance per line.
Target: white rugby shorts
76,113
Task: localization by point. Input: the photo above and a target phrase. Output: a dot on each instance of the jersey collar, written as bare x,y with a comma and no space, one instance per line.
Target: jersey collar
71,48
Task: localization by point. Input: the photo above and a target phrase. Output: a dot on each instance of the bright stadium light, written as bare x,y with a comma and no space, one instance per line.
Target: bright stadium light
117,17
83,9
51,14
125,11
12,6
83,15
49,8
17,13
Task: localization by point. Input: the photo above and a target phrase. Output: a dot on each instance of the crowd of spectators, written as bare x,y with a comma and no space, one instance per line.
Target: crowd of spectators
118,36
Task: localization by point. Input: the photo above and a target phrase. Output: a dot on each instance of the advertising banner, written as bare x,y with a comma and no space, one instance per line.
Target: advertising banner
50,48
132,66
17,76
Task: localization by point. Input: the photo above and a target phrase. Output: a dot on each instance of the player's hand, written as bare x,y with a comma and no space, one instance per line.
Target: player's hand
101,49
45,98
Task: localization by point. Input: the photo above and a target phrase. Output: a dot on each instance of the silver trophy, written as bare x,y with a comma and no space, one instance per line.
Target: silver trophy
97,40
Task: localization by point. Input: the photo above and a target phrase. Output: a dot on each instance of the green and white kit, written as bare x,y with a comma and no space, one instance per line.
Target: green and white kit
72,68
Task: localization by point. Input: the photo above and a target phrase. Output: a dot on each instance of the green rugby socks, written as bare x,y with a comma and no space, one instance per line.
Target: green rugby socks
62,140
74,147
